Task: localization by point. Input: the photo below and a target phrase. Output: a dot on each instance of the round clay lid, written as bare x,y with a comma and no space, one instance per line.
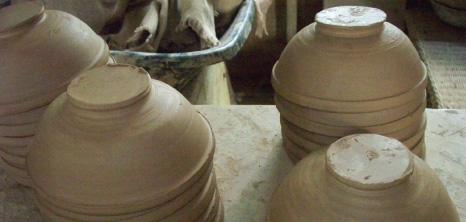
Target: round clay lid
350,21
369,161
20,14
109,87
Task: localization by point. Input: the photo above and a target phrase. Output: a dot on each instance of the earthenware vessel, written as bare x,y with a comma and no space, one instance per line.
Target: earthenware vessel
324,62
351,119
363,177
452,12
340,131
457,4
323,140
137,146
43,50
395,9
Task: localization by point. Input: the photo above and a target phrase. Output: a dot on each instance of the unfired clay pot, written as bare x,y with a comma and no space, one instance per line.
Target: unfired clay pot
395,9
361,178
351,119
350,54
452,12
340,131
43,50
119,146
456,4
323,140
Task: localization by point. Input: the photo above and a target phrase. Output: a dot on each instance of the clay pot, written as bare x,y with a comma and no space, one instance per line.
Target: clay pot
323,140
395,9
453,13
362,177
351,119
43,50
137,146
27,117
340,131
456,4
363,61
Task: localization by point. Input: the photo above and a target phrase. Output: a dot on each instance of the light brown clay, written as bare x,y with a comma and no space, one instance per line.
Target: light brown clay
363,177
352,119
14,150
298,151
14,160
350,107
420,149
134,144
310,146
15,141
30,116
18,130
15,173
29,104
402,135
350,55
43,50
340,131
154,214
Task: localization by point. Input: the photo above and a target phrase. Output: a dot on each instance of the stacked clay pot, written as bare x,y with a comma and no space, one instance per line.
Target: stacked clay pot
118,146
350,72
452,12
362,178
41,51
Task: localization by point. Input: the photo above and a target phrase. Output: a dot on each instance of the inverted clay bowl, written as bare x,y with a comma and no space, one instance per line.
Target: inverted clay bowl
323,140
453,13
43,50
132,144
340,131
350,54
361,178
351,119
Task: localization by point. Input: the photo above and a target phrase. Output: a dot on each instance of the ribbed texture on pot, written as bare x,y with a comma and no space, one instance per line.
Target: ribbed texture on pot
41,52
364,178
350,72
119,146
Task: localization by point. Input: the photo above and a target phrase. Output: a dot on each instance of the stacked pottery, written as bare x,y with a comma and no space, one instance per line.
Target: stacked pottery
452,12
118,146
41,52
350,72
362,178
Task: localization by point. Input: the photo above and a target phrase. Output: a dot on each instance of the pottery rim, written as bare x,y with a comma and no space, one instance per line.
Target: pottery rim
351,119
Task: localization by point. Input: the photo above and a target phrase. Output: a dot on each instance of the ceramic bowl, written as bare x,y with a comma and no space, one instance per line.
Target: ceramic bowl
363,177
340,131
27,117
350,107
24,130
420,149
351,119
17,174
43,50
313,141
298,151
32,103
457,4
350,54
153,143
451,15
154,214
14,150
